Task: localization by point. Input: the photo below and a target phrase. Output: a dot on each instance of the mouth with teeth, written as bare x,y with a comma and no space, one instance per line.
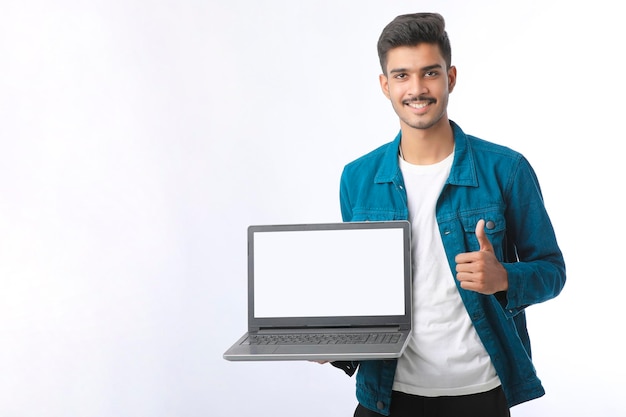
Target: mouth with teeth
420,104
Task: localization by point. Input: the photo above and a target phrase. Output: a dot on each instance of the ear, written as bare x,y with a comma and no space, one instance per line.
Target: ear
384,85
451,78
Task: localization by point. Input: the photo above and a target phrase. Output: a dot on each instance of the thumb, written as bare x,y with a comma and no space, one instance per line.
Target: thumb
483,240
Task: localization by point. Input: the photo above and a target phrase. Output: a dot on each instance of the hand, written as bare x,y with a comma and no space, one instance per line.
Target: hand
481,271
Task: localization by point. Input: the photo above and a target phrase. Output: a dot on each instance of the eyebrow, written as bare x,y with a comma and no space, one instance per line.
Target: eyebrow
427,68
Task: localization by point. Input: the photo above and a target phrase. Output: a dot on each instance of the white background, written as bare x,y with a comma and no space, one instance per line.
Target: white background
140,138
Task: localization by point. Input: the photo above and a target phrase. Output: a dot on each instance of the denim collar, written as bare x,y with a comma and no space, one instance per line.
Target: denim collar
463,170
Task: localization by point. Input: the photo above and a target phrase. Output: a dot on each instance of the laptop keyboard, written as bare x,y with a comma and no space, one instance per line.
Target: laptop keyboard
323,338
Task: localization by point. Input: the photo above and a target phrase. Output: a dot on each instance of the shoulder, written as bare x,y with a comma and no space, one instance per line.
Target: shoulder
495,162
482,147
483,161
490,154
381,164
370,159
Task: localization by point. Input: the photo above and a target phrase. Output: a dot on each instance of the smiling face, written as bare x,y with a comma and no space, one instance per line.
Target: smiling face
418,84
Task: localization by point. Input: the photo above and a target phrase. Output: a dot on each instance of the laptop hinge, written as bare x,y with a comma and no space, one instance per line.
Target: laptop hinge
256,329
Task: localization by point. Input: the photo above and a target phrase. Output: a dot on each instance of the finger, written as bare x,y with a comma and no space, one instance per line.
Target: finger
483,240
463,276
467,257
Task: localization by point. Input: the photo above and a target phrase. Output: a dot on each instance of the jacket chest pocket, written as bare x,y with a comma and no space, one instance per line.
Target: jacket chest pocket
495,229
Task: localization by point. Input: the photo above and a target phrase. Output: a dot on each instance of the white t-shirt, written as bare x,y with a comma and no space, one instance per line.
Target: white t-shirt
445,355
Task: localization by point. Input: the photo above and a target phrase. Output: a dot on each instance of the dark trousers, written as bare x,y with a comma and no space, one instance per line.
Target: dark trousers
486,404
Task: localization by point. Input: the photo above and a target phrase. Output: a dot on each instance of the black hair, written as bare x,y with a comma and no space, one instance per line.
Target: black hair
411,30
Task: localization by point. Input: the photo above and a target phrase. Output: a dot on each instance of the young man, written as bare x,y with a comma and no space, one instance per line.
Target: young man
483,245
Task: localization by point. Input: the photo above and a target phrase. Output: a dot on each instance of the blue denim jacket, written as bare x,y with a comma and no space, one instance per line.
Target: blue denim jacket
490,182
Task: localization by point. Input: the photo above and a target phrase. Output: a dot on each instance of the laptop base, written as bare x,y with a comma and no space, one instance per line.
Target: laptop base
243,351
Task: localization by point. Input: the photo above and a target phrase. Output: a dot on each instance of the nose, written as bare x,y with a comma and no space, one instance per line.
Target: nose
417,86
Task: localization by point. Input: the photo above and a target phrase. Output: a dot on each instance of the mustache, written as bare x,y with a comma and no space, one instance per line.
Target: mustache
419,98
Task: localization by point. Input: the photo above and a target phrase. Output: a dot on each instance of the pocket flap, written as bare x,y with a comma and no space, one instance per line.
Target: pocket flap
494,221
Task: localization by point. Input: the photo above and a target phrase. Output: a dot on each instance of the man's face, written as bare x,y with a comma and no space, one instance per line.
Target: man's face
418,84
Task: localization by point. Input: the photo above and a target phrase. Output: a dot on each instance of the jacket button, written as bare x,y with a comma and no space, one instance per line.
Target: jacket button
380,405
490,225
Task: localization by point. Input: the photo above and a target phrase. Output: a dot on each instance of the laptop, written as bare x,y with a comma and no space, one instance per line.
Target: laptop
327,291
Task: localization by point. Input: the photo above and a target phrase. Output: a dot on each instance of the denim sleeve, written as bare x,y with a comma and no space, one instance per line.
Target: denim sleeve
539,274
344,199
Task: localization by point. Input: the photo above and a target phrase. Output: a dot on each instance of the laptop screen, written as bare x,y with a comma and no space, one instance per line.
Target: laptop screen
322,271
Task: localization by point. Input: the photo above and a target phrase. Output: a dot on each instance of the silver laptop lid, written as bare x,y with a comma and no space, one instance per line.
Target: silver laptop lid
329,275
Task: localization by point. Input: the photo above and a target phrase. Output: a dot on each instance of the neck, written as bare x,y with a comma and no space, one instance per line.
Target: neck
427,146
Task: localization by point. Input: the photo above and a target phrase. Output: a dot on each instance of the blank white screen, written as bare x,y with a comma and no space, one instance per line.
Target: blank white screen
329,273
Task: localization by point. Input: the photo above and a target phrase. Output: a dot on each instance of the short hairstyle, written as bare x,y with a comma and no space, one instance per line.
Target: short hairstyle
411,30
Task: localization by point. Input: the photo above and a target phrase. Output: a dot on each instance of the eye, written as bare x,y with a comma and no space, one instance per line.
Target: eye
431,74
400,76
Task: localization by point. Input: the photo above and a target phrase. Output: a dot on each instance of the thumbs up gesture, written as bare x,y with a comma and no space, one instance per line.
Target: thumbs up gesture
481,271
